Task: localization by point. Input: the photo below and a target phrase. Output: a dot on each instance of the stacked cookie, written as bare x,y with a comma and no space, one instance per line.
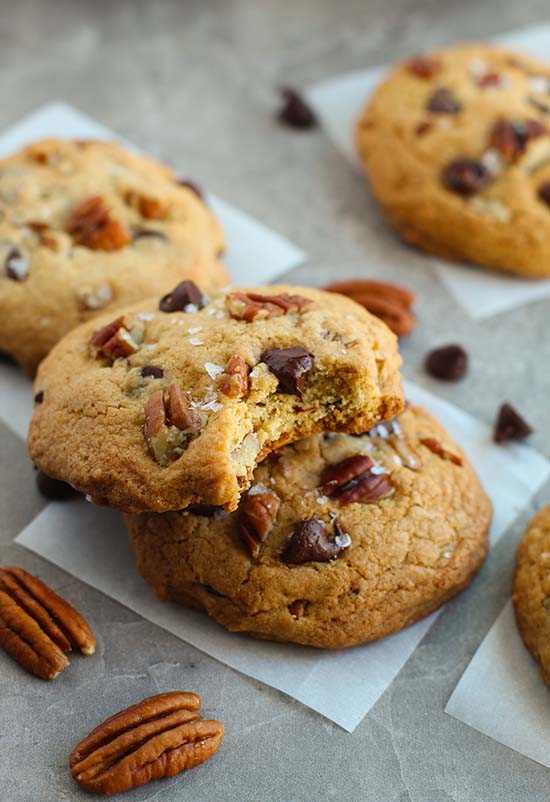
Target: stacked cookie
256,440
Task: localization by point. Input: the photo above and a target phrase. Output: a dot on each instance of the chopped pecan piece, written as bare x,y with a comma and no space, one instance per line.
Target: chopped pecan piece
251,305
424,66
171,423
511,138
158,737
352,481
235,383
441,450
37,626
90,224
309,543
185,297
389,302
291,366
148,207
117,339
258,514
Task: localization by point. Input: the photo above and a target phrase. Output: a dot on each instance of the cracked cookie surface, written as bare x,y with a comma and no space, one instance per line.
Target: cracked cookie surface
456,145
155,409
531,594
341,540
87,227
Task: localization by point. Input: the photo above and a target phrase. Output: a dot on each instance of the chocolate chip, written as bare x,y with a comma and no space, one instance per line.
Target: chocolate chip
544,192
193,187
510,425
443,102
148,233
206,510
16,265
39,397
185,294
450,362
466,176
152,371
295,112
309,543
53,489
290,365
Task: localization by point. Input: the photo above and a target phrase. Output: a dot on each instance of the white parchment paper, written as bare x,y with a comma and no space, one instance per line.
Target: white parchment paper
255,254
91,543
502,693
338,102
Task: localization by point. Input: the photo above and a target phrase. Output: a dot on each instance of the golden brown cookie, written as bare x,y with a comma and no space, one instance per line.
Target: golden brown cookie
340,541
87,227
531,595
457,148
177,401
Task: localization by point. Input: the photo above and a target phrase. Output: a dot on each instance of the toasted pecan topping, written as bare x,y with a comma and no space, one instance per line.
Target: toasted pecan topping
148,207
171,422
258,514
437,447
117,339
91,224
352,480
250,306
235,383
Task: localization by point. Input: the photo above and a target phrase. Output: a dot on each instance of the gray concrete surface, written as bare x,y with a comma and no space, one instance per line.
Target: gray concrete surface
193,82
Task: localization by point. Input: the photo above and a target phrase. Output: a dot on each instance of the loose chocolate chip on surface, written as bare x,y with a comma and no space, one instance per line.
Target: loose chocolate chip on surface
290,365
309,543
544,192
443,102
510,425
148,233
450,362
193,187
295,112
53,489
185,294
39,397
16,265
466,176
206,510
152,371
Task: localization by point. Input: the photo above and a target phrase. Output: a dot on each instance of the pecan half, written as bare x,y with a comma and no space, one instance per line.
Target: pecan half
291,366
258,514
235,383
437,447
512,138
389,302
251,305
158,737
424,66
309,543
352,481
171,423
117,339
90,224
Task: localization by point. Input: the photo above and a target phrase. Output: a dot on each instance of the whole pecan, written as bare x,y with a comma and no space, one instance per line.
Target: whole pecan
437,447
158,737
352,481
90,224
251,305
390,303
37,625
115,340
309,542
170,423
258,514
235,383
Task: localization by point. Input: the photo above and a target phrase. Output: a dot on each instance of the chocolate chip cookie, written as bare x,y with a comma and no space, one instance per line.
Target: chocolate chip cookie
176,401
531,595
87,227
341,540
456,145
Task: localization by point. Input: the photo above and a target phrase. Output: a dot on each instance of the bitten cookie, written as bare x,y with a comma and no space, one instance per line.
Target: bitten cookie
89,226
177,402
340,541
457,148
531,595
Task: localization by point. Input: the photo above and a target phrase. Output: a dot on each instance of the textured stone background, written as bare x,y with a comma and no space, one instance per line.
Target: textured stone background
193,82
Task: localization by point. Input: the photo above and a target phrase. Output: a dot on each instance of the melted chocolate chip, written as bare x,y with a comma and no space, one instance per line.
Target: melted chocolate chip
185,294
206,510
16,265
443,102
193,187
544,192
466,176
295,112
449,363
309,543
53,489
152,371
148,233
510,425
291,366
39,397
